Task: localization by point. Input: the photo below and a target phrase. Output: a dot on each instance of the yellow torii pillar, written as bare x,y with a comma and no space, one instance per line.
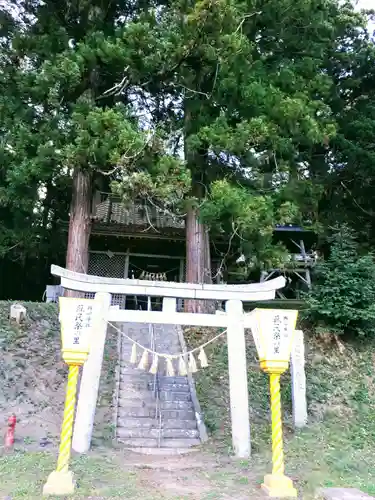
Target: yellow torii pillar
76,324
273,332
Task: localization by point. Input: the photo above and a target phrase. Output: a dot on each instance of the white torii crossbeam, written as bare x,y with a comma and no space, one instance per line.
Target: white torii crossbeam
87,283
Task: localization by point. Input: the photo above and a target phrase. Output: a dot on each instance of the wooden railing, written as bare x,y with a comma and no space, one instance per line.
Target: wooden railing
109,208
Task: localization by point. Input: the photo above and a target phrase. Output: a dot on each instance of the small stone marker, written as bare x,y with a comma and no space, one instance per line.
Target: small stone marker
297,368
343,494
17,312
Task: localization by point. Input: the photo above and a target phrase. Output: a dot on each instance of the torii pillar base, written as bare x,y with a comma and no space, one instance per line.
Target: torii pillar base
278,486
59,483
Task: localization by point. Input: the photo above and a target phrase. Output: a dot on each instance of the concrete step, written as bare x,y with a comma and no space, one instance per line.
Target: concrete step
178,414
129,392
172,348
125,361
178,424
180,433
126,391
176,405
149,423
124,432
131,379
133,402
174,396
174,387
150,411
163,452
137,423
173,380
137,412
142,399
133,385
137,335
135,376
127,351
154,443
128,370
143,339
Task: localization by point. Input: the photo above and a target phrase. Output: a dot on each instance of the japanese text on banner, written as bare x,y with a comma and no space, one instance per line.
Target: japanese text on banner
82,321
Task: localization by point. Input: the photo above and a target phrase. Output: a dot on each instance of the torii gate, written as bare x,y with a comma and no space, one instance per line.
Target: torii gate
234,319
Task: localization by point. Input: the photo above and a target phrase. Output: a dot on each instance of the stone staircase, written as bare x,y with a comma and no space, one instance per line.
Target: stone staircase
153,412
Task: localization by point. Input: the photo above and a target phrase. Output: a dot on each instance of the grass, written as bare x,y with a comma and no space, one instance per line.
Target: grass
23,475
332,454
37,313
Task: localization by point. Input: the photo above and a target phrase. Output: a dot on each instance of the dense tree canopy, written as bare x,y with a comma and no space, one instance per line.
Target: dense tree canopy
242,114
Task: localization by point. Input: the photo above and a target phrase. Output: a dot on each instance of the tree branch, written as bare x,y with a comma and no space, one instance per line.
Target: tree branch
371,214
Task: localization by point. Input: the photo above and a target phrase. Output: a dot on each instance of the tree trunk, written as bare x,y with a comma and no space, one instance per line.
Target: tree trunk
77,256
207,257
198,261
195,247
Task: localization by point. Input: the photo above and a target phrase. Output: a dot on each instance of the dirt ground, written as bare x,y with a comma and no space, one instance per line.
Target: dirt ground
33,378
106,473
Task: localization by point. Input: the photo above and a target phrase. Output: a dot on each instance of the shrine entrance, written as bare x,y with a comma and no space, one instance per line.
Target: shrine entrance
136,266
152,269
234,320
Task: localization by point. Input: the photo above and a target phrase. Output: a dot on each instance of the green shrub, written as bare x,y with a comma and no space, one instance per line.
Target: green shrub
342,299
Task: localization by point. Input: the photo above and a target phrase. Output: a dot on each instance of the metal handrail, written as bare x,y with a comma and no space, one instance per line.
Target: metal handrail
156,387
152,347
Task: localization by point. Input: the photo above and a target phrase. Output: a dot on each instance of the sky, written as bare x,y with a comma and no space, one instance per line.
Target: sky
366,4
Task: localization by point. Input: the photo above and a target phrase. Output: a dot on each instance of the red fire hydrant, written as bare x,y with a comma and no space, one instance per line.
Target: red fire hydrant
9,436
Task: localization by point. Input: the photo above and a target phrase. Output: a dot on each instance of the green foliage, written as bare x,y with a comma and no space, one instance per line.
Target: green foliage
166,181
250,217
342,299
102,138
58,113
248,106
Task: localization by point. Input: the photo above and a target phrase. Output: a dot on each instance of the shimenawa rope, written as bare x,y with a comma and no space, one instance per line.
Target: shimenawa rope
187,362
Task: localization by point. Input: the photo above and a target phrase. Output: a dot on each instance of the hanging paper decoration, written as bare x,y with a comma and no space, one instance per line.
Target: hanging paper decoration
144,361
202,358
133,357
145,275
170,368
154,366
192,364
182,369
186,362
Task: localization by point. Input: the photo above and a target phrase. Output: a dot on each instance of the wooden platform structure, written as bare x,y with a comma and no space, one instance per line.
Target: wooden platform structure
302,260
